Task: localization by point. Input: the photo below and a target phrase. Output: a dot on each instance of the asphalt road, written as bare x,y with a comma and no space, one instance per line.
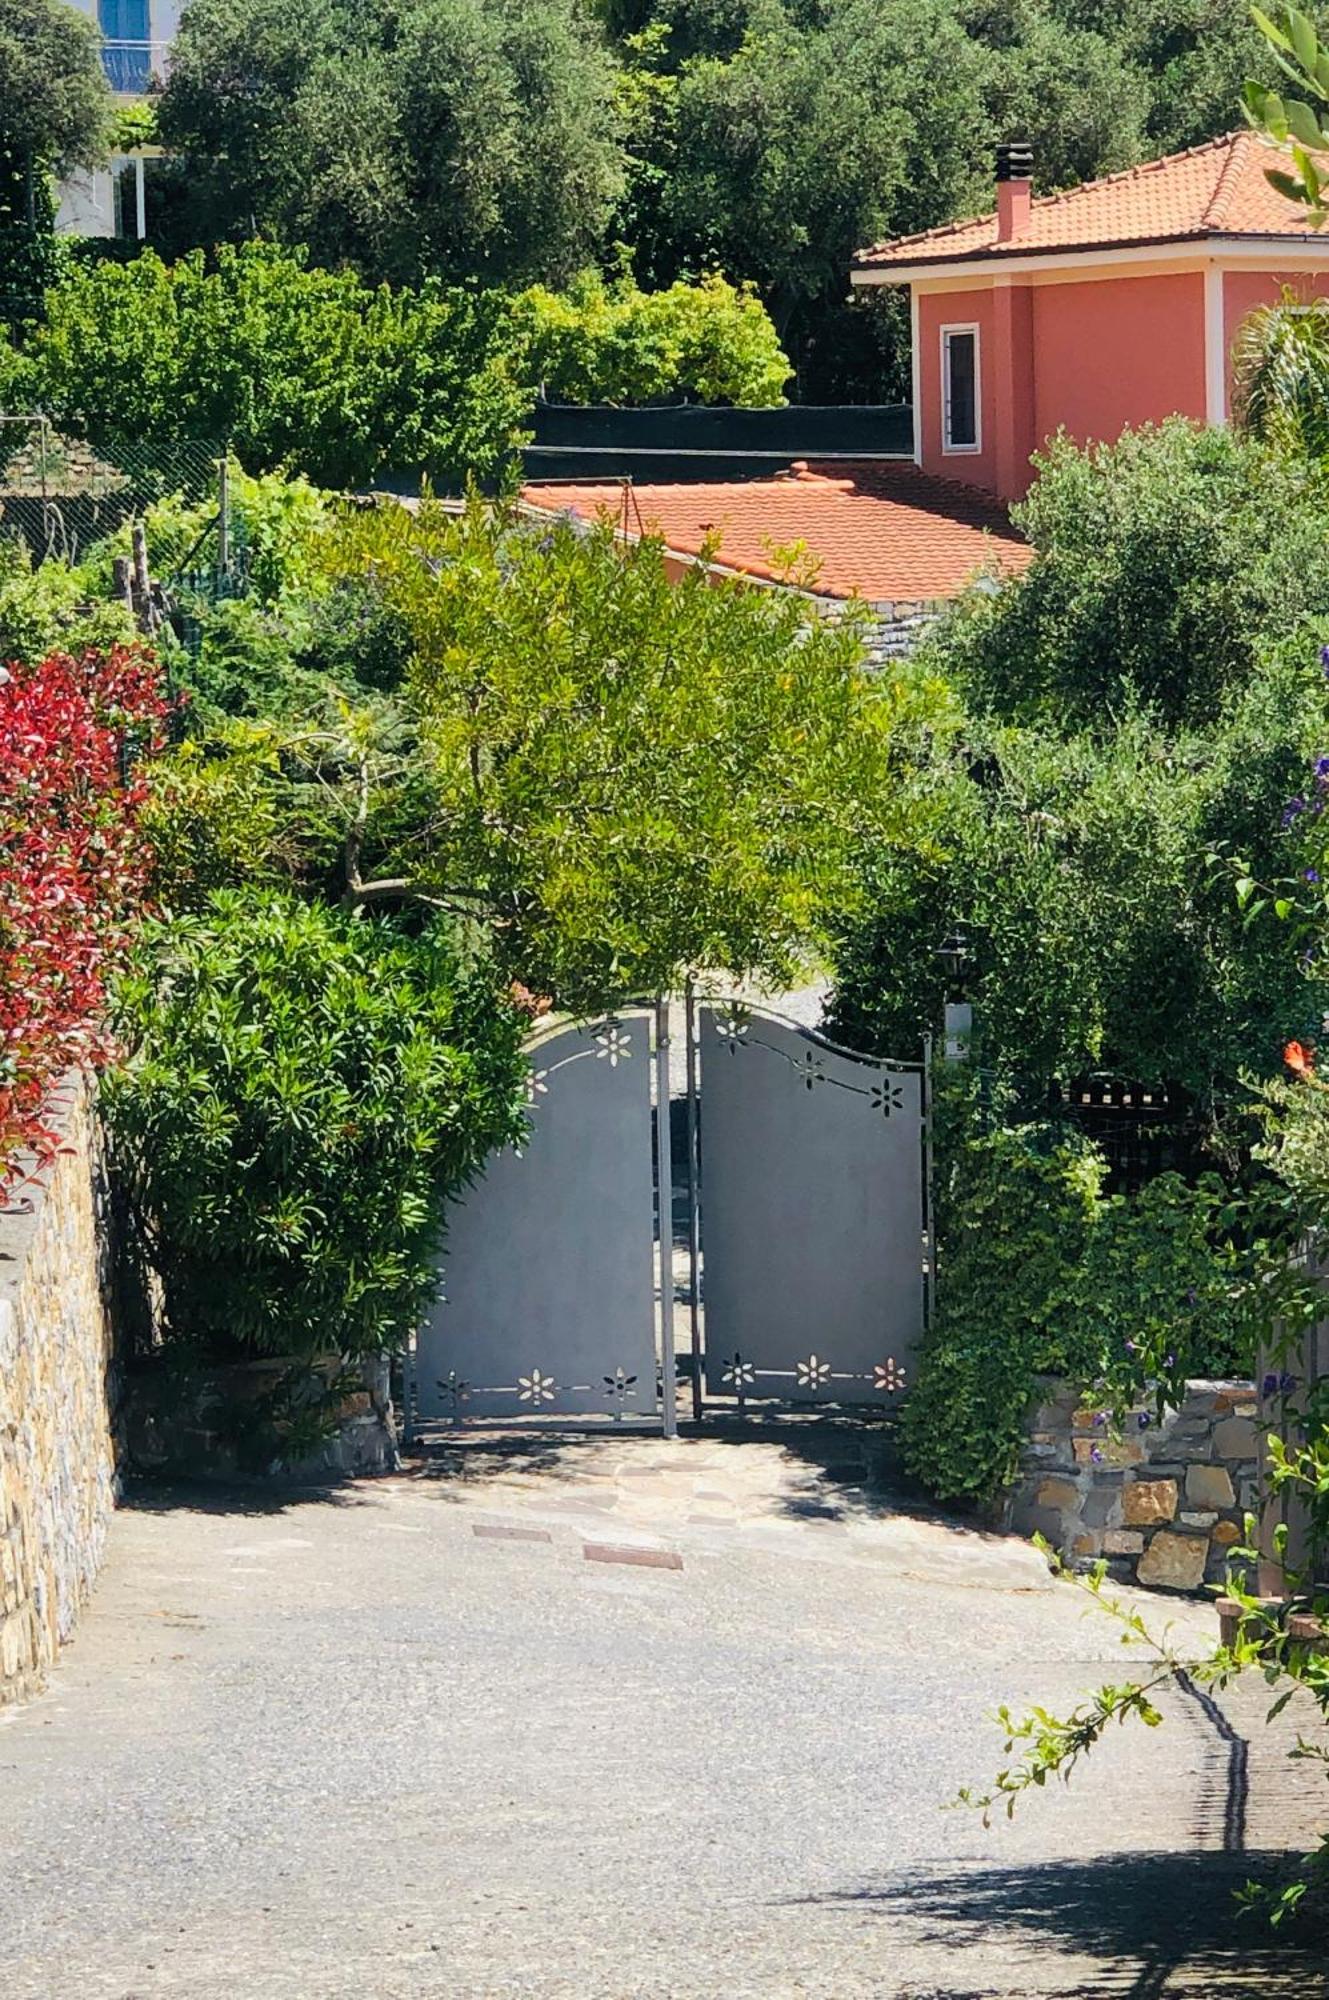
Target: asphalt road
368,1746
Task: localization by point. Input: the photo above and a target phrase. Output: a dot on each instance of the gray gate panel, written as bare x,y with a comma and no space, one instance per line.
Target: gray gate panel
548,1304
812,1215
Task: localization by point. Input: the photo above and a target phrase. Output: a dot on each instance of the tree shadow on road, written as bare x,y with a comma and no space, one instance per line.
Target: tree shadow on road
1153,1924
143,1495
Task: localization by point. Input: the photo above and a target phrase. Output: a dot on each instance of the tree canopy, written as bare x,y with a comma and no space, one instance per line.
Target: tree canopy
54,102
521,140
633,778
450,137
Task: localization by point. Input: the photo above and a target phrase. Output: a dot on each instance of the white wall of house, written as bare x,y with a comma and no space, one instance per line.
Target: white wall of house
88,201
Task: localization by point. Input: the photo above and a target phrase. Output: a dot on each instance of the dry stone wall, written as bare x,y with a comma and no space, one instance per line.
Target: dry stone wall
1162,1500
57,1458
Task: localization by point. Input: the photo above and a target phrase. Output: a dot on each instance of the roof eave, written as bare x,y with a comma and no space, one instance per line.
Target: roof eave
1017,257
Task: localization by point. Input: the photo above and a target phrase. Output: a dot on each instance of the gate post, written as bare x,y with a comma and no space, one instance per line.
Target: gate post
664,1179
1286,1381
694,1196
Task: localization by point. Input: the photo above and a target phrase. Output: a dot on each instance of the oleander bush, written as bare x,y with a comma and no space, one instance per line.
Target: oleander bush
302,1091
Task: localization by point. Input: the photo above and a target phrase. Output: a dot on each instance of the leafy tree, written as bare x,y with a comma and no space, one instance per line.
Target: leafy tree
56,104
596,344
453,138
304,368
1049,75
1162,562
54,111
634,777
805,144
1100,936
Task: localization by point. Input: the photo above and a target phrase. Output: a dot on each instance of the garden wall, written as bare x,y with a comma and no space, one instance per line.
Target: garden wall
1162,1500
57,1460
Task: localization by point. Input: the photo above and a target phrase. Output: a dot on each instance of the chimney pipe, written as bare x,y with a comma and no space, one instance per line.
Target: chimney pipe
1015,187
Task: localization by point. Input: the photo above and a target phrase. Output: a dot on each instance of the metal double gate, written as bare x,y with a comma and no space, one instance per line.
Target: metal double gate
785,1234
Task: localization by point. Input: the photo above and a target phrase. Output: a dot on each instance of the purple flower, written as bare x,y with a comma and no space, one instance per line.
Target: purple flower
1142,1419
1269,1385
1132,1347
1293,809
1169,1360
1311,874
1322,769
1287,1383
1099,1420
1097,1454
1324,658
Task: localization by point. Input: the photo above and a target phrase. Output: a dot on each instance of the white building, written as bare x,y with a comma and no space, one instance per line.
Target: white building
136,41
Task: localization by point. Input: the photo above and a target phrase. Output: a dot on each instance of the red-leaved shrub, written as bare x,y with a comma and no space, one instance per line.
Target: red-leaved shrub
72,866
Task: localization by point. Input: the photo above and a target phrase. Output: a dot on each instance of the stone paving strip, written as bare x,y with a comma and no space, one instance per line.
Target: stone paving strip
608,1552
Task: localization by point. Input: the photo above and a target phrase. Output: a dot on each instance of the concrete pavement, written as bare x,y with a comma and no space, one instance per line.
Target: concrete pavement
414,1740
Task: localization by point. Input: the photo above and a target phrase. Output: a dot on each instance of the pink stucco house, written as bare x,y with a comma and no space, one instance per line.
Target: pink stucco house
1113,304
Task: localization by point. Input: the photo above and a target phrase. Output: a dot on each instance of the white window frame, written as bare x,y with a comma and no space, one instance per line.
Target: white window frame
961,450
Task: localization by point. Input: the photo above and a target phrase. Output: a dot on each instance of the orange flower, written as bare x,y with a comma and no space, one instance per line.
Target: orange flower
1299,1060
534,1004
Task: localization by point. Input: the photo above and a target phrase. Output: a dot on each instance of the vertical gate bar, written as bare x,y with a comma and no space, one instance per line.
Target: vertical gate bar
929,1218
408,1392
694,1199
665,1210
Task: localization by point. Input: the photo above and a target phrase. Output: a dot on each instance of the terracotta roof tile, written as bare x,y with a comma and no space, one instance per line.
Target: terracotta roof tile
1215,190
882,530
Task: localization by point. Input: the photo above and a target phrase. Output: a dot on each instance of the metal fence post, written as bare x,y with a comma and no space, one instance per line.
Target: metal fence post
223,517
694,1197
665,1207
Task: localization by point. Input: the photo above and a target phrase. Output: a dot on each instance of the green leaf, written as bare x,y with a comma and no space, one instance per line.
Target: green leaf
1270,31
1305,44
1267,112
1304,125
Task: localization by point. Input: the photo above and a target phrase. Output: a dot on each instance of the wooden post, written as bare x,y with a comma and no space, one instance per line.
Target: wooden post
144,609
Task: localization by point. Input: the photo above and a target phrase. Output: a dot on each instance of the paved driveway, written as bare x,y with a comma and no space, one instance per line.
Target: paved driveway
619,1719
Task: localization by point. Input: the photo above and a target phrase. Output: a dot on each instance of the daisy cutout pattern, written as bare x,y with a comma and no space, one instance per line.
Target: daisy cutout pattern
537,1085
455,1392
888,1375
813,1373
537,1388
732,1026
612,1045
740,1373
619,1386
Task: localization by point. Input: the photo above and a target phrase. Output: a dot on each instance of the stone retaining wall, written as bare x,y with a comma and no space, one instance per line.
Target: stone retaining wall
188,1426
57,1459
1162,1501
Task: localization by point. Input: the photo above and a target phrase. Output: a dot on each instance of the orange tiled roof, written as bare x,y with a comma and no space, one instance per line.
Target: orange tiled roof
1214,190
882,530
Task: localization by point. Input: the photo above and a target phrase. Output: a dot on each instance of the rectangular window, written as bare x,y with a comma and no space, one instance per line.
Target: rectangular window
959,389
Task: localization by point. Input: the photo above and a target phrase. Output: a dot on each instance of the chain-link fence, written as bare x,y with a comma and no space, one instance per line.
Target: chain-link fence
60,494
